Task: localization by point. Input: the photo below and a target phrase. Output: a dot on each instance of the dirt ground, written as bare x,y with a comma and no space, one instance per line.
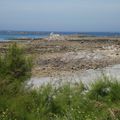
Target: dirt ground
74,53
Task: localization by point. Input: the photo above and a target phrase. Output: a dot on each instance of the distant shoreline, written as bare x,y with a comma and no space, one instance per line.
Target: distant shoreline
24,35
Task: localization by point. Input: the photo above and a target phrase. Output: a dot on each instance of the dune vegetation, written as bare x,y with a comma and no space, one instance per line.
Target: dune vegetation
98,101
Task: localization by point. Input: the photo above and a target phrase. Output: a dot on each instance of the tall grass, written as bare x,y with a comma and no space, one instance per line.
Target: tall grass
105,89
99,101
63,103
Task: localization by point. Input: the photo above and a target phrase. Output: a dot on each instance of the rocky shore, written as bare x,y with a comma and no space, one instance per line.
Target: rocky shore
65,54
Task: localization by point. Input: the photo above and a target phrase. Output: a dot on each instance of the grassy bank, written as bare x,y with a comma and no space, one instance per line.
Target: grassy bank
98,101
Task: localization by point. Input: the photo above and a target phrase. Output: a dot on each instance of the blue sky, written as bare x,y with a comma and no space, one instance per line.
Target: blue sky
60,15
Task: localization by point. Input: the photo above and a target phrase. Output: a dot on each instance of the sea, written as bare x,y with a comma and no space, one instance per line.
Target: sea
12,35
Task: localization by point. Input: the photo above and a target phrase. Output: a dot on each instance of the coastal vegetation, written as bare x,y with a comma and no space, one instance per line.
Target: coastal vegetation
97,101
15,68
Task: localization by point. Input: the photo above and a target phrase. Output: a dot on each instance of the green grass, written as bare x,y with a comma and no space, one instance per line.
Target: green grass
97,101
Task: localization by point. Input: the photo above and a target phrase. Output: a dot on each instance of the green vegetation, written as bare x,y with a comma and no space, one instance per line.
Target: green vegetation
14,64
15,68
98,101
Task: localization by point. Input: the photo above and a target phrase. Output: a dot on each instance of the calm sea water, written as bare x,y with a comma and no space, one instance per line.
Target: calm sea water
4,36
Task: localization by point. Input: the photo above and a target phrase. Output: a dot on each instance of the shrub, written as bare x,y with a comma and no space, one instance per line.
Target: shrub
14,64
99,89
15,68
105,89
114,94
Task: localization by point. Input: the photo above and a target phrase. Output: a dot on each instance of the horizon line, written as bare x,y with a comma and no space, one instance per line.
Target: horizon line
60,31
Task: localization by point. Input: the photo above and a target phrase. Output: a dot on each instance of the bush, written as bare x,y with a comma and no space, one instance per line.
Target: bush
15,68
99,89
14,64
105,89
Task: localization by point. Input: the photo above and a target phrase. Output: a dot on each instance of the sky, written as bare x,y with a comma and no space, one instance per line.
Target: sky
60,15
